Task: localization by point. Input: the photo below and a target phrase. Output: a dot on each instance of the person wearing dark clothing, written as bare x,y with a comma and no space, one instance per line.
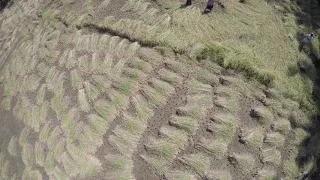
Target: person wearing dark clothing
209,6
189,2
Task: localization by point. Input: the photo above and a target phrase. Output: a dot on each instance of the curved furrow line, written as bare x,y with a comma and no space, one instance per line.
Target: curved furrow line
211,140
153,94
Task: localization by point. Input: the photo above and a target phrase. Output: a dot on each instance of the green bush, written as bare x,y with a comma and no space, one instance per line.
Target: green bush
214,53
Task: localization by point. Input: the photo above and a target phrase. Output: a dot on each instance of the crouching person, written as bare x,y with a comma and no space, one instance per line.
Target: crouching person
307,40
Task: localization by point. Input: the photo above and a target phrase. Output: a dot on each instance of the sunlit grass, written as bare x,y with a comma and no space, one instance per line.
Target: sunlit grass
275,139
271,155
223,126
244,162
214,148
282,125
169,76
197,162
54,138
266,174
24,136
89,139
220,174
98,123
83,101
39,153
28,173
105,109
122,140
154,98
59,174
188,124
44,132
88,165
28,156
180,175
253,137
76,79
13,147
120,167
263,115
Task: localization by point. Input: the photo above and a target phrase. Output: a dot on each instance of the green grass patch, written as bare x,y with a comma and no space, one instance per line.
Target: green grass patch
220,55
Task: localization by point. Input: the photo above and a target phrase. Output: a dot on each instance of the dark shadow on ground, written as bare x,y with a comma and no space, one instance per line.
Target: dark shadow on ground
5,3
310,148
307,13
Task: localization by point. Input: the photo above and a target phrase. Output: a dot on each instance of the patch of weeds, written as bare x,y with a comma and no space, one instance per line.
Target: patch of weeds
180,175
271,155
163,148
218,54
275,139
214,148
215,53
282,125
263,115
253,138
198,162
187,124
266,174
244,162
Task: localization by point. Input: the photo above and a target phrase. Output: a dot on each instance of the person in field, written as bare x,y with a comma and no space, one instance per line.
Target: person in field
307,40
208,8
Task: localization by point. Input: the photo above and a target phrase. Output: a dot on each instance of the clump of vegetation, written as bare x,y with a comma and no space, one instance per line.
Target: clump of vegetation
223,126
282,125
214,148
271,155
218,54
275,139
219,174
197,162
180,175
253,137
263,115
266,174
185,123
243,162
290,168
13,146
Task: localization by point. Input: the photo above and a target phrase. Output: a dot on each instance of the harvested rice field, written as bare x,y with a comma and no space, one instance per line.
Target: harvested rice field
113,89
